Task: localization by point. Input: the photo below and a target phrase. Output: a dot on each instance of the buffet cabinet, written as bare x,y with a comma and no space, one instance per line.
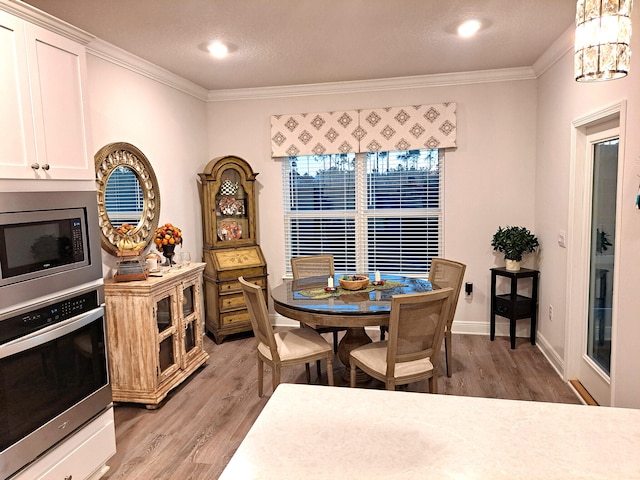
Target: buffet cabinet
154,333
230,244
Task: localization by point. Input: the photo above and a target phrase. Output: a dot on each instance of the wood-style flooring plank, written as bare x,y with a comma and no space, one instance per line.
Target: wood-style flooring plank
200,425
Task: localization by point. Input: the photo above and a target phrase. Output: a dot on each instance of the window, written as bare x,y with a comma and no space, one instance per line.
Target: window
373,211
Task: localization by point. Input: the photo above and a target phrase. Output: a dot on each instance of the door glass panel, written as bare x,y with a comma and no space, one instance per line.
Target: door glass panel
187,301
603,228
163,316
166,353
189,337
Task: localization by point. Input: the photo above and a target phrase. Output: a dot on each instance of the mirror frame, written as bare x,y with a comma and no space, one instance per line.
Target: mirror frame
107,159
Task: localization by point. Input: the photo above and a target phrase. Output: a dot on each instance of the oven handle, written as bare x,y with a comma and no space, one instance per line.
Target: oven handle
50,333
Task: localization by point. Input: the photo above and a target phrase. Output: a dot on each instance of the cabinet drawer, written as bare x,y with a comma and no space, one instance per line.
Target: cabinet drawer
232,318
522,307
232,302
241,272
234,285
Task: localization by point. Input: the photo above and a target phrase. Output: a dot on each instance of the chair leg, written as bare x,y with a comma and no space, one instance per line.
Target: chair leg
433,385
381,333
318,370
276,376
330,370
447,351
260,376
352,379
307,372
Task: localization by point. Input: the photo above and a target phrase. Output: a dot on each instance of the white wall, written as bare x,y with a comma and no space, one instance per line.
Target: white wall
168,126
561,100
489,177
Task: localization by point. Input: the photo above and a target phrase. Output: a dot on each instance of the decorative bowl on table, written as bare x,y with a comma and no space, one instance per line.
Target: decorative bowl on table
353,282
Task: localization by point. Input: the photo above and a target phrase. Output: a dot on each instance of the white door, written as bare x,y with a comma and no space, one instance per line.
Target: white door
592,272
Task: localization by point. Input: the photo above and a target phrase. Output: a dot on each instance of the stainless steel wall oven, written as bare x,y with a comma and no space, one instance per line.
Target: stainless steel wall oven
53,352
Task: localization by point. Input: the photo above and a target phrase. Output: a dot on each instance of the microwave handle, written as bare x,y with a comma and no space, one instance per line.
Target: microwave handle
50,333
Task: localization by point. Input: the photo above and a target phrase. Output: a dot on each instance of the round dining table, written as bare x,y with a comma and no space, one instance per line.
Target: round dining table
309,302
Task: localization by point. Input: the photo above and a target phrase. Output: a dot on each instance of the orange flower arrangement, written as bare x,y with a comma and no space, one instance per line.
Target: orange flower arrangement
167,235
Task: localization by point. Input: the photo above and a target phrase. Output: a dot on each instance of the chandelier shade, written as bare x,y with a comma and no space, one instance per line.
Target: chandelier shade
603,35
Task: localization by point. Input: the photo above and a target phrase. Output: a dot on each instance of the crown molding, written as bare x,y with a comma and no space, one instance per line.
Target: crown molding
397,83
44,20
118,56
563,44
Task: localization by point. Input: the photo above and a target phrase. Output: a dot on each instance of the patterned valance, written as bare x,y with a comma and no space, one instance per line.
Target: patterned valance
408,128
371,130
314,133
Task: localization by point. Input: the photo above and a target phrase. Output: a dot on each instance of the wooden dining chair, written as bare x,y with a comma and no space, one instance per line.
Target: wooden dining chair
291,347
445,273
316,266
416,328
448,273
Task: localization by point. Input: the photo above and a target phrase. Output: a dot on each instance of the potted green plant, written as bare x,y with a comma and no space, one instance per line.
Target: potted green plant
514,242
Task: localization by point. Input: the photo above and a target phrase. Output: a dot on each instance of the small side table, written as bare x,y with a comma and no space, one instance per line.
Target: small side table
514,306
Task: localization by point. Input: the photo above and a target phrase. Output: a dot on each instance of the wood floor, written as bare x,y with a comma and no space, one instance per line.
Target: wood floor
201,424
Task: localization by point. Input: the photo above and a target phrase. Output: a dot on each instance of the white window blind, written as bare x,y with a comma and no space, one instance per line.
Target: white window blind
375,211
123,197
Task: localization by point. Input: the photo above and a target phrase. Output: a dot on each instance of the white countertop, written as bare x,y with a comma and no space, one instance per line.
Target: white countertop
310,431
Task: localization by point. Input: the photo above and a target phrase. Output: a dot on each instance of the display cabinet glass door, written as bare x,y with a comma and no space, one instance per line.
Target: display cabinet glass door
167,331
192,335
231,208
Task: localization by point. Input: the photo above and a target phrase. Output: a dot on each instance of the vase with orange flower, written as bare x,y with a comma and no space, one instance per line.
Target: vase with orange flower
166,238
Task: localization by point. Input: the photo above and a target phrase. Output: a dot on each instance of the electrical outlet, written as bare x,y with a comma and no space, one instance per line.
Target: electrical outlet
551,312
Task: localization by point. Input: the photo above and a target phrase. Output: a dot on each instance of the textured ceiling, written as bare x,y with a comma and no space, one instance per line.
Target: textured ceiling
294,42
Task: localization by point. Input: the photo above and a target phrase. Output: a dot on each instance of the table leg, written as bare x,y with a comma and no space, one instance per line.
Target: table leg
354,338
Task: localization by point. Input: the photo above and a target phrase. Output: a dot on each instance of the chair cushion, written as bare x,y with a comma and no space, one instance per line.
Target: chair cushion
296,343
374,356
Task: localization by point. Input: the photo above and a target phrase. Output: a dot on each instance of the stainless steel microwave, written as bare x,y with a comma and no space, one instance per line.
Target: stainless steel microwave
49,242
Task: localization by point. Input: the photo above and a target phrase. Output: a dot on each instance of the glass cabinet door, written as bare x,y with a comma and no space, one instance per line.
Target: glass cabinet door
166,323
232,222
192,333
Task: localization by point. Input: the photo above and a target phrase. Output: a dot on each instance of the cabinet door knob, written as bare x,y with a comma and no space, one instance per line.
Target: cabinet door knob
45,166
35,166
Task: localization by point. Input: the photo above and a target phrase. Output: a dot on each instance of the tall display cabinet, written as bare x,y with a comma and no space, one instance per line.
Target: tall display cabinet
230,244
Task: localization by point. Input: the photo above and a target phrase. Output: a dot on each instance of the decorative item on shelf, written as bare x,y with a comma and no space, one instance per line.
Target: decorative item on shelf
166,238
153,262
229,230
126,245
514,242
353,282
131,266
230,206
228,188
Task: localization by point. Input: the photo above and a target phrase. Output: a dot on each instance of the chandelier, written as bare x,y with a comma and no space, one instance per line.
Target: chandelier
603,35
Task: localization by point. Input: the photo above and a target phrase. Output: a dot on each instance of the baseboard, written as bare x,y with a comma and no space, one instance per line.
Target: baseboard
582,393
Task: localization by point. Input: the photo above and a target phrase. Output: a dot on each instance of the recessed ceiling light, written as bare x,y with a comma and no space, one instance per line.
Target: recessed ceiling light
218,49
469,28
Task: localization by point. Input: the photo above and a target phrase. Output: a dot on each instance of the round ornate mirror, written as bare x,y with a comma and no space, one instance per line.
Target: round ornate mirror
127,193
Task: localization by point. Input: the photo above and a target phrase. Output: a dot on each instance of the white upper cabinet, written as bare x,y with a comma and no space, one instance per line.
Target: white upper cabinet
44,110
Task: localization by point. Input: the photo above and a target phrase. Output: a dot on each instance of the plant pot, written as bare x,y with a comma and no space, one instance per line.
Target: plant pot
512,265
169,252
